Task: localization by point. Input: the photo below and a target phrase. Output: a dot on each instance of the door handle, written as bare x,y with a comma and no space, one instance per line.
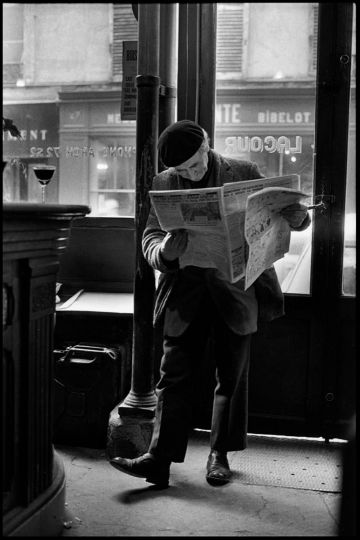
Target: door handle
323,204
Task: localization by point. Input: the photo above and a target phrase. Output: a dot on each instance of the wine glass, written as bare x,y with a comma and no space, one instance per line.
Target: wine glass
44,174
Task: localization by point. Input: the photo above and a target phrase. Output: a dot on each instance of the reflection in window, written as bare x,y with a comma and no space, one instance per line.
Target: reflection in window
112,173
265,105
62,80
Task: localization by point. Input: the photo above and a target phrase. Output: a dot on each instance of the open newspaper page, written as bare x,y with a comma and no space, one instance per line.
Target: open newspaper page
266,231
235,197
200,212
235,228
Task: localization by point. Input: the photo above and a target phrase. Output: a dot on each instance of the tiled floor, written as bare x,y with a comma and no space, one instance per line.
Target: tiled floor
280,487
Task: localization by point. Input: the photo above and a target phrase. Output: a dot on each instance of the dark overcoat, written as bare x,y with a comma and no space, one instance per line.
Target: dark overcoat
267,288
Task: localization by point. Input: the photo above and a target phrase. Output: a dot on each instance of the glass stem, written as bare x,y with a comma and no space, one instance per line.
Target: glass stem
43,193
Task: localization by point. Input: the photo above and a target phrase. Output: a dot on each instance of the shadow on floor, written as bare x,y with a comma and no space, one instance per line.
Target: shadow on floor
280,487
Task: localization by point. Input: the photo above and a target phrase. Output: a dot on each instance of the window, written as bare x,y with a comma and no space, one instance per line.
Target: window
314,16
349,255
124,29
68,59
269,116
111,177
12,43
353,46
231,38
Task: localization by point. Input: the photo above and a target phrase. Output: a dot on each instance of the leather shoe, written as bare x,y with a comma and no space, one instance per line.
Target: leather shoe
218,470
155,471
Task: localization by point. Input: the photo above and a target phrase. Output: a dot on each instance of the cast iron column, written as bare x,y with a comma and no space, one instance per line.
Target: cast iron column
188,62
207,69
168,65
141,398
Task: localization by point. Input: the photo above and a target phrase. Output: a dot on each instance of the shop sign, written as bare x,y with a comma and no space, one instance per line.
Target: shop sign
249,113
39,128
228,113
128,94
283,117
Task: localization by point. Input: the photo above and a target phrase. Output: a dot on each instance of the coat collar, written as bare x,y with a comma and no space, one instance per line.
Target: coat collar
222,173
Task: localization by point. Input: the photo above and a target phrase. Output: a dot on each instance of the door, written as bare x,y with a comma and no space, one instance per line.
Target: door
283,99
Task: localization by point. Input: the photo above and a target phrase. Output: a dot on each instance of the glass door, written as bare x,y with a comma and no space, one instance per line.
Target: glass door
265,103
280,90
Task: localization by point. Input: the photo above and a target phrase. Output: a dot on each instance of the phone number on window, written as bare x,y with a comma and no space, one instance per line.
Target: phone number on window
50,151
84,151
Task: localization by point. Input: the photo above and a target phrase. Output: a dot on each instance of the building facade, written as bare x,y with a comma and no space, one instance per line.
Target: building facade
73,73
63,82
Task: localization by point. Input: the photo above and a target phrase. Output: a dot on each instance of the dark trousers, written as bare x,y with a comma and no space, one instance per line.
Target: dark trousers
175,389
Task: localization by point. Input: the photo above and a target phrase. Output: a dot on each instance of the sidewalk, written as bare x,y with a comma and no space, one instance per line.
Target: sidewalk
280,487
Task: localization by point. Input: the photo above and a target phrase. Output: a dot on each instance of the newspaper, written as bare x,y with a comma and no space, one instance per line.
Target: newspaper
235,228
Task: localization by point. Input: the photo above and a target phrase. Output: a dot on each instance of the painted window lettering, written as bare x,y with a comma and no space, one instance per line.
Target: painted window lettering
284,117
229,113
236,145
126,151
31,135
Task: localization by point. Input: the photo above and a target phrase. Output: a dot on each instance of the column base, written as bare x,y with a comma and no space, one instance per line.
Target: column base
130,410
129,435
136,404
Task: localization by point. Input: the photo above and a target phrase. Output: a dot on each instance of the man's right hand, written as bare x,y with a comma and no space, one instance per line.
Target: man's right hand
174,245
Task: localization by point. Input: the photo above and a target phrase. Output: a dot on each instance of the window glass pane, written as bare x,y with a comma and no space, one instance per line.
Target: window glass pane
39,129
12,22
265,104
111,177
349,257
12,52
63,92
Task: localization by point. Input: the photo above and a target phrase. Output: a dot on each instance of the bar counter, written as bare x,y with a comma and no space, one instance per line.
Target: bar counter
34,237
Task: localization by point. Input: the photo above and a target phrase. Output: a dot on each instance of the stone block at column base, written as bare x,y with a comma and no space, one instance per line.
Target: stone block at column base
128,435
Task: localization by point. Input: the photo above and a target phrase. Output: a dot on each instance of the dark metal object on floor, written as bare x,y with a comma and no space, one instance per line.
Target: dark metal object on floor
87,386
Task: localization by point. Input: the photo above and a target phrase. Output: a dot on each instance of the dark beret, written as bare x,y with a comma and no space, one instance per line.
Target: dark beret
179,142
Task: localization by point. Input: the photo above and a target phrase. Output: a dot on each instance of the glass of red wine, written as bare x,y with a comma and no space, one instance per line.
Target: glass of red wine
44,174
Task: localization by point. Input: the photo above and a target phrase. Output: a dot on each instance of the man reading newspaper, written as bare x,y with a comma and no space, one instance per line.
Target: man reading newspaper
194,301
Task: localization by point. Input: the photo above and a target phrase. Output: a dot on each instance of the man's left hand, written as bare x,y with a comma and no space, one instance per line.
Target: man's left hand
294,214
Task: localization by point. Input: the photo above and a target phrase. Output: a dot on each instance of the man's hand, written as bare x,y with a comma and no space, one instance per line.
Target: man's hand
174,245
294,214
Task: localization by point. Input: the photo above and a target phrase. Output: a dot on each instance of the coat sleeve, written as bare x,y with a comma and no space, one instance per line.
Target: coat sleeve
305,224
255,173
152,237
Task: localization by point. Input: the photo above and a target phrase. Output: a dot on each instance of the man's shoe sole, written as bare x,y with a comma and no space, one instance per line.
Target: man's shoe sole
217,481
126,471
157,480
